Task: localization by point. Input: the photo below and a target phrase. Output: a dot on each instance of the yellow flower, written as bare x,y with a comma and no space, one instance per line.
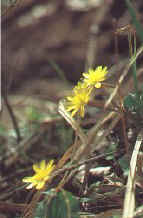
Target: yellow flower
95,77
42,174
80,85
77,101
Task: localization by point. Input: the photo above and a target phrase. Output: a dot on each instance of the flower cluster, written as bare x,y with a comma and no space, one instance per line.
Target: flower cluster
75,103
78,99
82,91
42,174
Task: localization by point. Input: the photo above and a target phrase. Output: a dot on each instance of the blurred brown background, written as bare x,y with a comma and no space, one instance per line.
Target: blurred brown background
40,36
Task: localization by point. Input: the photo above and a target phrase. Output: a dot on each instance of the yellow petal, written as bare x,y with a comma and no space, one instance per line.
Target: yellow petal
49,165
42,165
27,179
36,168
82,111
69,98
74,112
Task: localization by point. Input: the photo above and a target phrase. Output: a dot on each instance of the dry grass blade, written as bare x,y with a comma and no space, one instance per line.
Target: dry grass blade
29,211
85,147
129,202
76,127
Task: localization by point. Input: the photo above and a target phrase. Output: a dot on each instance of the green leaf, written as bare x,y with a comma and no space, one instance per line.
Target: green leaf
58,205
130,102
134,102
124,163
63,205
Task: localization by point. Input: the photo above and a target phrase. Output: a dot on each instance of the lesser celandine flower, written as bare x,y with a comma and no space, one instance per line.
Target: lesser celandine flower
82,91
42,174
79,98
95,77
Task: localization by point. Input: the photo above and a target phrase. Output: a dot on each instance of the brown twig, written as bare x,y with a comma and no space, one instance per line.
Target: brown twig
13,118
